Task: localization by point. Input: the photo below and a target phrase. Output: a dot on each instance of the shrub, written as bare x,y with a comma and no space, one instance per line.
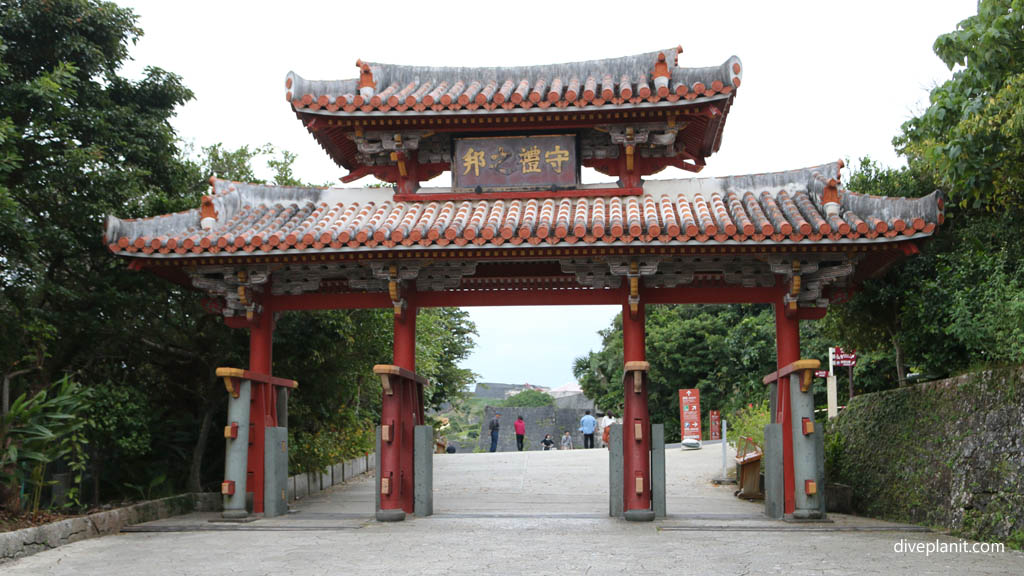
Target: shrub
748,422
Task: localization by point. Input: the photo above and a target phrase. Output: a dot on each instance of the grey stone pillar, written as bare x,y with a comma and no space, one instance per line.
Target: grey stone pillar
236,456
805,453
658,470
282,406
376,475
774,502
423,470
615,503
275,471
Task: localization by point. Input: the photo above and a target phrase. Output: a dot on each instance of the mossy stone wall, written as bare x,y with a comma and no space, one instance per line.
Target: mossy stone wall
948,454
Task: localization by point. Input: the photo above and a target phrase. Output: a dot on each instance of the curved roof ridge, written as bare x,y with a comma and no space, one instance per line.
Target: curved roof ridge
636,66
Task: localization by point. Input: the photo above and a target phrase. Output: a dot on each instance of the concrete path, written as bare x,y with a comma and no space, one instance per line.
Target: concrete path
519,513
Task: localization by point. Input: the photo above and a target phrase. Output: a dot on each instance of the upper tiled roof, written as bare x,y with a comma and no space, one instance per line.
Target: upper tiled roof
785,207
650,77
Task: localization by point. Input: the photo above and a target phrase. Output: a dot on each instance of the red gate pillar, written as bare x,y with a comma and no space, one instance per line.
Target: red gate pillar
635,451
399,414
262,404
787,342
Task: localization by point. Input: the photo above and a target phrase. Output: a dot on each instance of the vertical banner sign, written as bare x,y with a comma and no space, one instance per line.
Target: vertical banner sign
715,421
689,413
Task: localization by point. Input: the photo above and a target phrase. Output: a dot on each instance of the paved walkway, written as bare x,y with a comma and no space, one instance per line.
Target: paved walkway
518,513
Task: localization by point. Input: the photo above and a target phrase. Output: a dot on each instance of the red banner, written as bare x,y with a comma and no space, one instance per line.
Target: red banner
715,418
689,413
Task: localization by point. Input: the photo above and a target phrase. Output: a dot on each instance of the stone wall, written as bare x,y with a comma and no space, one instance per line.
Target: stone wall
28,541
539,421
947,454
302,485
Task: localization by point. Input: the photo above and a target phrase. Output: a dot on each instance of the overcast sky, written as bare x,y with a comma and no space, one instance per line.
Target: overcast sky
821,80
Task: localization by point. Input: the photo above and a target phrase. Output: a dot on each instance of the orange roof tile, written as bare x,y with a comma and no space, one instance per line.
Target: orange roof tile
784,207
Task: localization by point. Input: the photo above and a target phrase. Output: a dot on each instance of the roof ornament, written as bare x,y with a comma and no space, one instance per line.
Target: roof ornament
661,75
367,86
830,198
207,213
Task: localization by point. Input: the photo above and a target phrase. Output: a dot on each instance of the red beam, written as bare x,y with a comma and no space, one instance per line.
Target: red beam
327,301
575,193
520,298
703,294
711,294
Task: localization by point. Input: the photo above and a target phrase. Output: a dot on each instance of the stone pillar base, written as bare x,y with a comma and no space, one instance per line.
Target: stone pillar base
639,515
396,515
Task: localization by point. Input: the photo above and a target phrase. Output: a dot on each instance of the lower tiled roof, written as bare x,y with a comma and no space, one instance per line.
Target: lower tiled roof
784,207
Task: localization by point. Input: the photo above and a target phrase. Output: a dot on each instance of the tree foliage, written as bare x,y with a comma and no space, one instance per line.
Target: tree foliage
972,134
79,142
722,350
529,398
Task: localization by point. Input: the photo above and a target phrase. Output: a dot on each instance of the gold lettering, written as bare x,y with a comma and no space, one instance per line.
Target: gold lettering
529,158
473,160
556,158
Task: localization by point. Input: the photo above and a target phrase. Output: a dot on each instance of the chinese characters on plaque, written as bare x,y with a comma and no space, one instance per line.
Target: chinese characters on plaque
515,163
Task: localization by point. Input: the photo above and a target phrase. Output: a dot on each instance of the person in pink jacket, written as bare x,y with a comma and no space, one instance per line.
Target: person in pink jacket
520,427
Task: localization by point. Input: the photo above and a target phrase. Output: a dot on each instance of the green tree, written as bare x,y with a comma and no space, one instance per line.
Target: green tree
529,398
722,350
972,134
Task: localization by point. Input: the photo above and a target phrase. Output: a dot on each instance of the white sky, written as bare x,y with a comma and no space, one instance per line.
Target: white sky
821,80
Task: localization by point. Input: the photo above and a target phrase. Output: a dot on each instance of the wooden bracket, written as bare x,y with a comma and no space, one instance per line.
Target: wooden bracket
794,287
639,485
638,431
231,384
634,288
805,380
395,291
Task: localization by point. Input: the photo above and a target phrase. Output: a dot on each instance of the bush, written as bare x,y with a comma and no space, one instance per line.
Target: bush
529,398
37,431
748,422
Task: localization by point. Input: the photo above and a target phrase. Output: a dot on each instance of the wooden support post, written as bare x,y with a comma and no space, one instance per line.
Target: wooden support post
636,466
261,412
787,337
400,412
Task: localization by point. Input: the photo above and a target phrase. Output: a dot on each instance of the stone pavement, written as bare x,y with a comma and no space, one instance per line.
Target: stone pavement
518,513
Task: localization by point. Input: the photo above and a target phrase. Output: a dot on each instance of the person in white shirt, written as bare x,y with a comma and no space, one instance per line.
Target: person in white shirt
606,421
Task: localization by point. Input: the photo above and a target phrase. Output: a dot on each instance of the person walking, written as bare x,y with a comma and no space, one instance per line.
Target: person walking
494,425
587,425
520,426
606,423
566,441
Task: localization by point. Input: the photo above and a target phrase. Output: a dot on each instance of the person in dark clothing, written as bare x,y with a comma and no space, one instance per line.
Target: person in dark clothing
547,442
493,426
520,426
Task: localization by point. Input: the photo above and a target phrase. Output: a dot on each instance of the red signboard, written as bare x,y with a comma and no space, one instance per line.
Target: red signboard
821,373
715,421
689,413
515,163
844,358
